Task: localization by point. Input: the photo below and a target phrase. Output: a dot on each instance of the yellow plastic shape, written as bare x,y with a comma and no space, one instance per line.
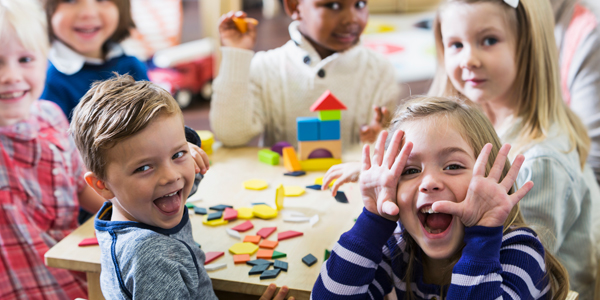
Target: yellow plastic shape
319,181
280,194
293,191
207,139
319,164
216,222
245,213
243,248
264,211
255,184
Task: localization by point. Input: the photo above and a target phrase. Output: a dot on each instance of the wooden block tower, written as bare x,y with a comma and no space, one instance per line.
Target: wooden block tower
319,139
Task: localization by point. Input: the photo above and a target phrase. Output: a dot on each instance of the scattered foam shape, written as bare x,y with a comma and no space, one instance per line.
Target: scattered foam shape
254,239
214,267
293,191
241,258
293,219
314,187
314,220
215,222
258,269
280,194
309,260
264,211
319,181
230,214
266,232
255,184
341,197
295,174
270,274
234,234
288,235
243,248
243,227
220,207
88,242
281,265
245,213
210,256
268,244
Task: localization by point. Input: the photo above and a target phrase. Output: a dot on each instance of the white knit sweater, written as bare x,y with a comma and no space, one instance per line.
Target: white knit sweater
266,92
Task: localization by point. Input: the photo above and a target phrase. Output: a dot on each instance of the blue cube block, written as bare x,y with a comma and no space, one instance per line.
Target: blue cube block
329,130
308,129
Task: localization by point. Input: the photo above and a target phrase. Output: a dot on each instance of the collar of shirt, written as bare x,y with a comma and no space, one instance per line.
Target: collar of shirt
69,62
34,127
310,55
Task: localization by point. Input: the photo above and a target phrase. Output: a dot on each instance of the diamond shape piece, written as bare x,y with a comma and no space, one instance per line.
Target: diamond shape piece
214,216
288,235
254,239
315,187
269,274
309,260
281,265
244,226
258,262
210,256
295,174
258,269
230,214
200,210
266,232
220,207
341,197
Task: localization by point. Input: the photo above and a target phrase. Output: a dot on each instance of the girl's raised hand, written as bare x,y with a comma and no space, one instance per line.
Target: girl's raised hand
344,173
379,177
231,35
487,202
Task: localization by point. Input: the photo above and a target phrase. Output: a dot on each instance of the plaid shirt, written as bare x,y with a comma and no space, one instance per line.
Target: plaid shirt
41,174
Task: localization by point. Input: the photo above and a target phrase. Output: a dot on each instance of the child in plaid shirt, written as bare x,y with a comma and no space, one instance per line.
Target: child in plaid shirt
41,172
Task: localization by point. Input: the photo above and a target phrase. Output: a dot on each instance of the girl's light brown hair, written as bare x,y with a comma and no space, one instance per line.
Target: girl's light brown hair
123,28
537,83
114,110
476,129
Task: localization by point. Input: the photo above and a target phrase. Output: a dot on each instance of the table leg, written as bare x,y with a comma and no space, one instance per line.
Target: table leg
94,292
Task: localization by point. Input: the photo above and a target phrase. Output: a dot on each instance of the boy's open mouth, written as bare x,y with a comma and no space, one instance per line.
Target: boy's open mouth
433,222
169,203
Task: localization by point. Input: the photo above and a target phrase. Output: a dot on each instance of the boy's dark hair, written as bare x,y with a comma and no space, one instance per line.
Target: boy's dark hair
123,28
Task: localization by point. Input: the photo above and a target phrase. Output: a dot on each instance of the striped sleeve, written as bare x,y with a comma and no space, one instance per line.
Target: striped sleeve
355,269
493,266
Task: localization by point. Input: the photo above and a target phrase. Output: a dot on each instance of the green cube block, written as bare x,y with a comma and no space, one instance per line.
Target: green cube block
268,157
330,115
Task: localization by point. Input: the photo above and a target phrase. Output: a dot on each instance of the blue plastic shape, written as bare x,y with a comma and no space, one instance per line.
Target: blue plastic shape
329,130
308,128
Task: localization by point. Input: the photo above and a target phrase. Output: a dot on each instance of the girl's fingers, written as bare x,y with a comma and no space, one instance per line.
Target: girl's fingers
448,207
366,159
481,162
392,151
379,148
512,174
520,193
401,159
390,208
499,163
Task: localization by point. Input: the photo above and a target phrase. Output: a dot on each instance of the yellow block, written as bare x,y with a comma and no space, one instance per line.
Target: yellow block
245,213
243,248
264,211
255,184
279,196
293,191
207,139
319,164
216,222
319,181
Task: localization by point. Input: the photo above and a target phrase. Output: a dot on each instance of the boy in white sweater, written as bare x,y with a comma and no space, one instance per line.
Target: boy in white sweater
265,92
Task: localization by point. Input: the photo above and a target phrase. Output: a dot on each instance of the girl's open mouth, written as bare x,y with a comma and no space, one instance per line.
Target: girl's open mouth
434,223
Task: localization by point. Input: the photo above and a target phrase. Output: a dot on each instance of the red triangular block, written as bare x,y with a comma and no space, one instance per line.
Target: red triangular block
266,232
328,101
210,256
244,226
230,214
288,235
88,242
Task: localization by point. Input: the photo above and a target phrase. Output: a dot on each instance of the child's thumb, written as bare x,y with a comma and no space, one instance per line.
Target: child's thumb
390,208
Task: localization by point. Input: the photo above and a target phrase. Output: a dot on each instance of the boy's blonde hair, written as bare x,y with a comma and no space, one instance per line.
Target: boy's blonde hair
537,84
477,130
28,21
114,110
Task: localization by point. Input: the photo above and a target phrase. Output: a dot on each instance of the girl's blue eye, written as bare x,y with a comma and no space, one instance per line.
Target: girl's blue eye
410,171
142,169
178,154
490,41
361,4
453,167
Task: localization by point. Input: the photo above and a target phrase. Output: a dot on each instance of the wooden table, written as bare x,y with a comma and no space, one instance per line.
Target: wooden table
223,185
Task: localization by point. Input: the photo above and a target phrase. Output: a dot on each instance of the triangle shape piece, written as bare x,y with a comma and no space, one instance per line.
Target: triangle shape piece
328,101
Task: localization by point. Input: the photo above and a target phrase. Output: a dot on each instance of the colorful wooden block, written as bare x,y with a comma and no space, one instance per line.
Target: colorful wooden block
309,260
293,219
268,157
214,216
327,254
241,258
266,232
277,254
319,164
341,197
243,227
233,233
293,191
258,269
255,184
319,181
282,265
230,214
327,101
254,239
306,148
268,244
329,115
200,210
258,262
207,139
88,242
315,187
264,254
279,196
295,174
190,205
278,147
220,207
270,274
242,23
215,222
264,211
243,248
329,130
314,220
307,128
214,267
245,213
290,160
210,256
288,235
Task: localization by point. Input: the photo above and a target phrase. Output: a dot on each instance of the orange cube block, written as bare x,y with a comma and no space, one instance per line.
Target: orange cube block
268,244
265,254
241,258
252,239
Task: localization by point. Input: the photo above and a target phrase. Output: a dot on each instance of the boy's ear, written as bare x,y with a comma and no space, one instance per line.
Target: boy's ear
98,185
291,9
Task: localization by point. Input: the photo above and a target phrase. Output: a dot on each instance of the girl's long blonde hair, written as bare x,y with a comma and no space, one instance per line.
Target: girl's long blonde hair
537,83
477,131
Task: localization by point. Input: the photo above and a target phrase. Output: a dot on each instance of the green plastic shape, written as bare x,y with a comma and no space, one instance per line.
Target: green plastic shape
330,115
268,157
277,254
